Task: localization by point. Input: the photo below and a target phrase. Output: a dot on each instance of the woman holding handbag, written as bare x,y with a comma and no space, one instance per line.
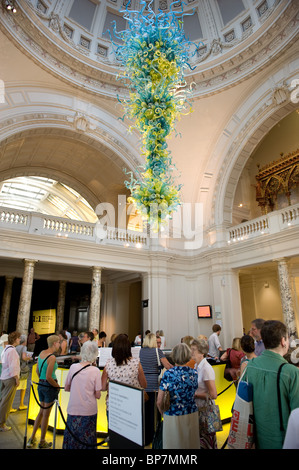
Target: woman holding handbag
205,394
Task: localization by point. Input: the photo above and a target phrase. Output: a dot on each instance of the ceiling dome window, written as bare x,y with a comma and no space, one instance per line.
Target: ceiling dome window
230,9
192,27
120,25
82,12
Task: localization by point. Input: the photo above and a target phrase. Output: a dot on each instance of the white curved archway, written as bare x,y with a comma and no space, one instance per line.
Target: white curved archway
29,107
264,108
55,135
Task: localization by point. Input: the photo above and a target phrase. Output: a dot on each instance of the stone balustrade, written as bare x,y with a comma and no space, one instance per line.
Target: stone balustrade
272,223
39,224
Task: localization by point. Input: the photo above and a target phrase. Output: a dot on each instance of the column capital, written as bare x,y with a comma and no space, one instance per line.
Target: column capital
281,260
96,268
28,261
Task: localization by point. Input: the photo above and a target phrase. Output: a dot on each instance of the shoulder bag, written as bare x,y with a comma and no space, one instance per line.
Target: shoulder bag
87,365
279,397
166,401
241,433
209,417
160,366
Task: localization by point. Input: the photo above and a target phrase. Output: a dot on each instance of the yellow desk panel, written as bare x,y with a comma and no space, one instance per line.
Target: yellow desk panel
226,400
63,398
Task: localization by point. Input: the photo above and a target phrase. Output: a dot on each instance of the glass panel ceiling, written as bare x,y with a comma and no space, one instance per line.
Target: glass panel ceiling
37,194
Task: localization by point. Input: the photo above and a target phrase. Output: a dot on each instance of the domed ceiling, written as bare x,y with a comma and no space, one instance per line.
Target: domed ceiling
69,37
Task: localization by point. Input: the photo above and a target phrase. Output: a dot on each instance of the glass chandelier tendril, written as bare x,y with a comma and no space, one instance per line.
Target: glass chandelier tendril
154,52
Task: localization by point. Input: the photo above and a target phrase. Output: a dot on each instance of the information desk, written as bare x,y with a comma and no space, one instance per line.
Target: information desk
63,398
224,401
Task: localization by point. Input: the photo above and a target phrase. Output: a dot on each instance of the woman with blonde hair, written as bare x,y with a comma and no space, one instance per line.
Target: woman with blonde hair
48,389
233,357
188,340
150,356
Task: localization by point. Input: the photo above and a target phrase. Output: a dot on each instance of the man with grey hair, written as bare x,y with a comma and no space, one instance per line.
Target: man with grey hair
255,332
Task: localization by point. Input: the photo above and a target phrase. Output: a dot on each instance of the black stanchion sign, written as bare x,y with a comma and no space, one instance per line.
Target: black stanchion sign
126,416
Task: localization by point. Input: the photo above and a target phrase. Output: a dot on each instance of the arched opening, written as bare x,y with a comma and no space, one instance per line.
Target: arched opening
47,196
272,151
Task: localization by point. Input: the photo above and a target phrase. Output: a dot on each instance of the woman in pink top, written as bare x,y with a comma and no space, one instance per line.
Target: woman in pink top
84,384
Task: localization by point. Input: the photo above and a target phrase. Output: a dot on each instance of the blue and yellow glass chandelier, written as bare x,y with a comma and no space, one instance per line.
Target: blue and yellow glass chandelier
154,53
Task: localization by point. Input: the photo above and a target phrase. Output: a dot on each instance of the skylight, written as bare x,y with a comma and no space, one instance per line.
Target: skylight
47,196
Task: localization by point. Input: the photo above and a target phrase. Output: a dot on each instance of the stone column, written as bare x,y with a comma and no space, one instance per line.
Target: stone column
95,299
6,303
25,297
286,297
60,306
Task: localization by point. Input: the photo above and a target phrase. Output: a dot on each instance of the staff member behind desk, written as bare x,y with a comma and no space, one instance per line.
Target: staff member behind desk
9,377
48,390
84,384
214,343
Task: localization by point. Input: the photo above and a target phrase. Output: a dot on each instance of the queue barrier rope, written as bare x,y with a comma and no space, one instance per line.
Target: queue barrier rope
61,413
232,382
75,437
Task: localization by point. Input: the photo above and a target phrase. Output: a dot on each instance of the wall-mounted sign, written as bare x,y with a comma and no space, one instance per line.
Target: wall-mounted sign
44,321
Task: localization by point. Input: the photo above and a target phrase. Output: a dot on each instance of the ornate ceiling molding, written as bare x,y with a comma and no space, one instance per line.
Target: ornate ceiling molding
56,56
249,57
220,64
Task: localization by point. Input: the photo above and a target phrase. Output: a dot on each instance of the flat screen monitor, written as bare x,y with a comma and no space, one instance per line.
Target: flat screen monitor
204,311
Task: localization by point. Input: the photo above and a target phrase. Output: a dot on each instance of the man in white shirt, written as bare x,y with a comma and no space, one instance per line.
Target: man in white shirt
214,342
9,378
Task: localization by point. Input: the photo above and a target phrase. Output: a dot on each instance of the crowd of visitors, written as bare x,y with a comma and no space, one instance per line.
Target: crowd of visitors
184,376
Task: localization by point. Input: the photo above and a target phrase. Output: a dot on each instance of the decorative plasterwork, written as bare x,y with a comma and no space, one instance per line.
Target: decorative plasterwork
249,60
230,62
55,56
280,176
70,115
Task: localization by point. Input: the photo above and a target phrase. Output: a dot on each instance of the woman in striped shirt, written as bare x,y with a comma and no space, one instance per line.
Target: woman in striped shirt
150,357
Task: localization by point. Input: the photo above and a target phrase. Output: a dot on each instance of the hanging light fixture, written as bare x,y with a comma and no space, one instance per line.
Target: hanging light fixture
154,52
9,5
